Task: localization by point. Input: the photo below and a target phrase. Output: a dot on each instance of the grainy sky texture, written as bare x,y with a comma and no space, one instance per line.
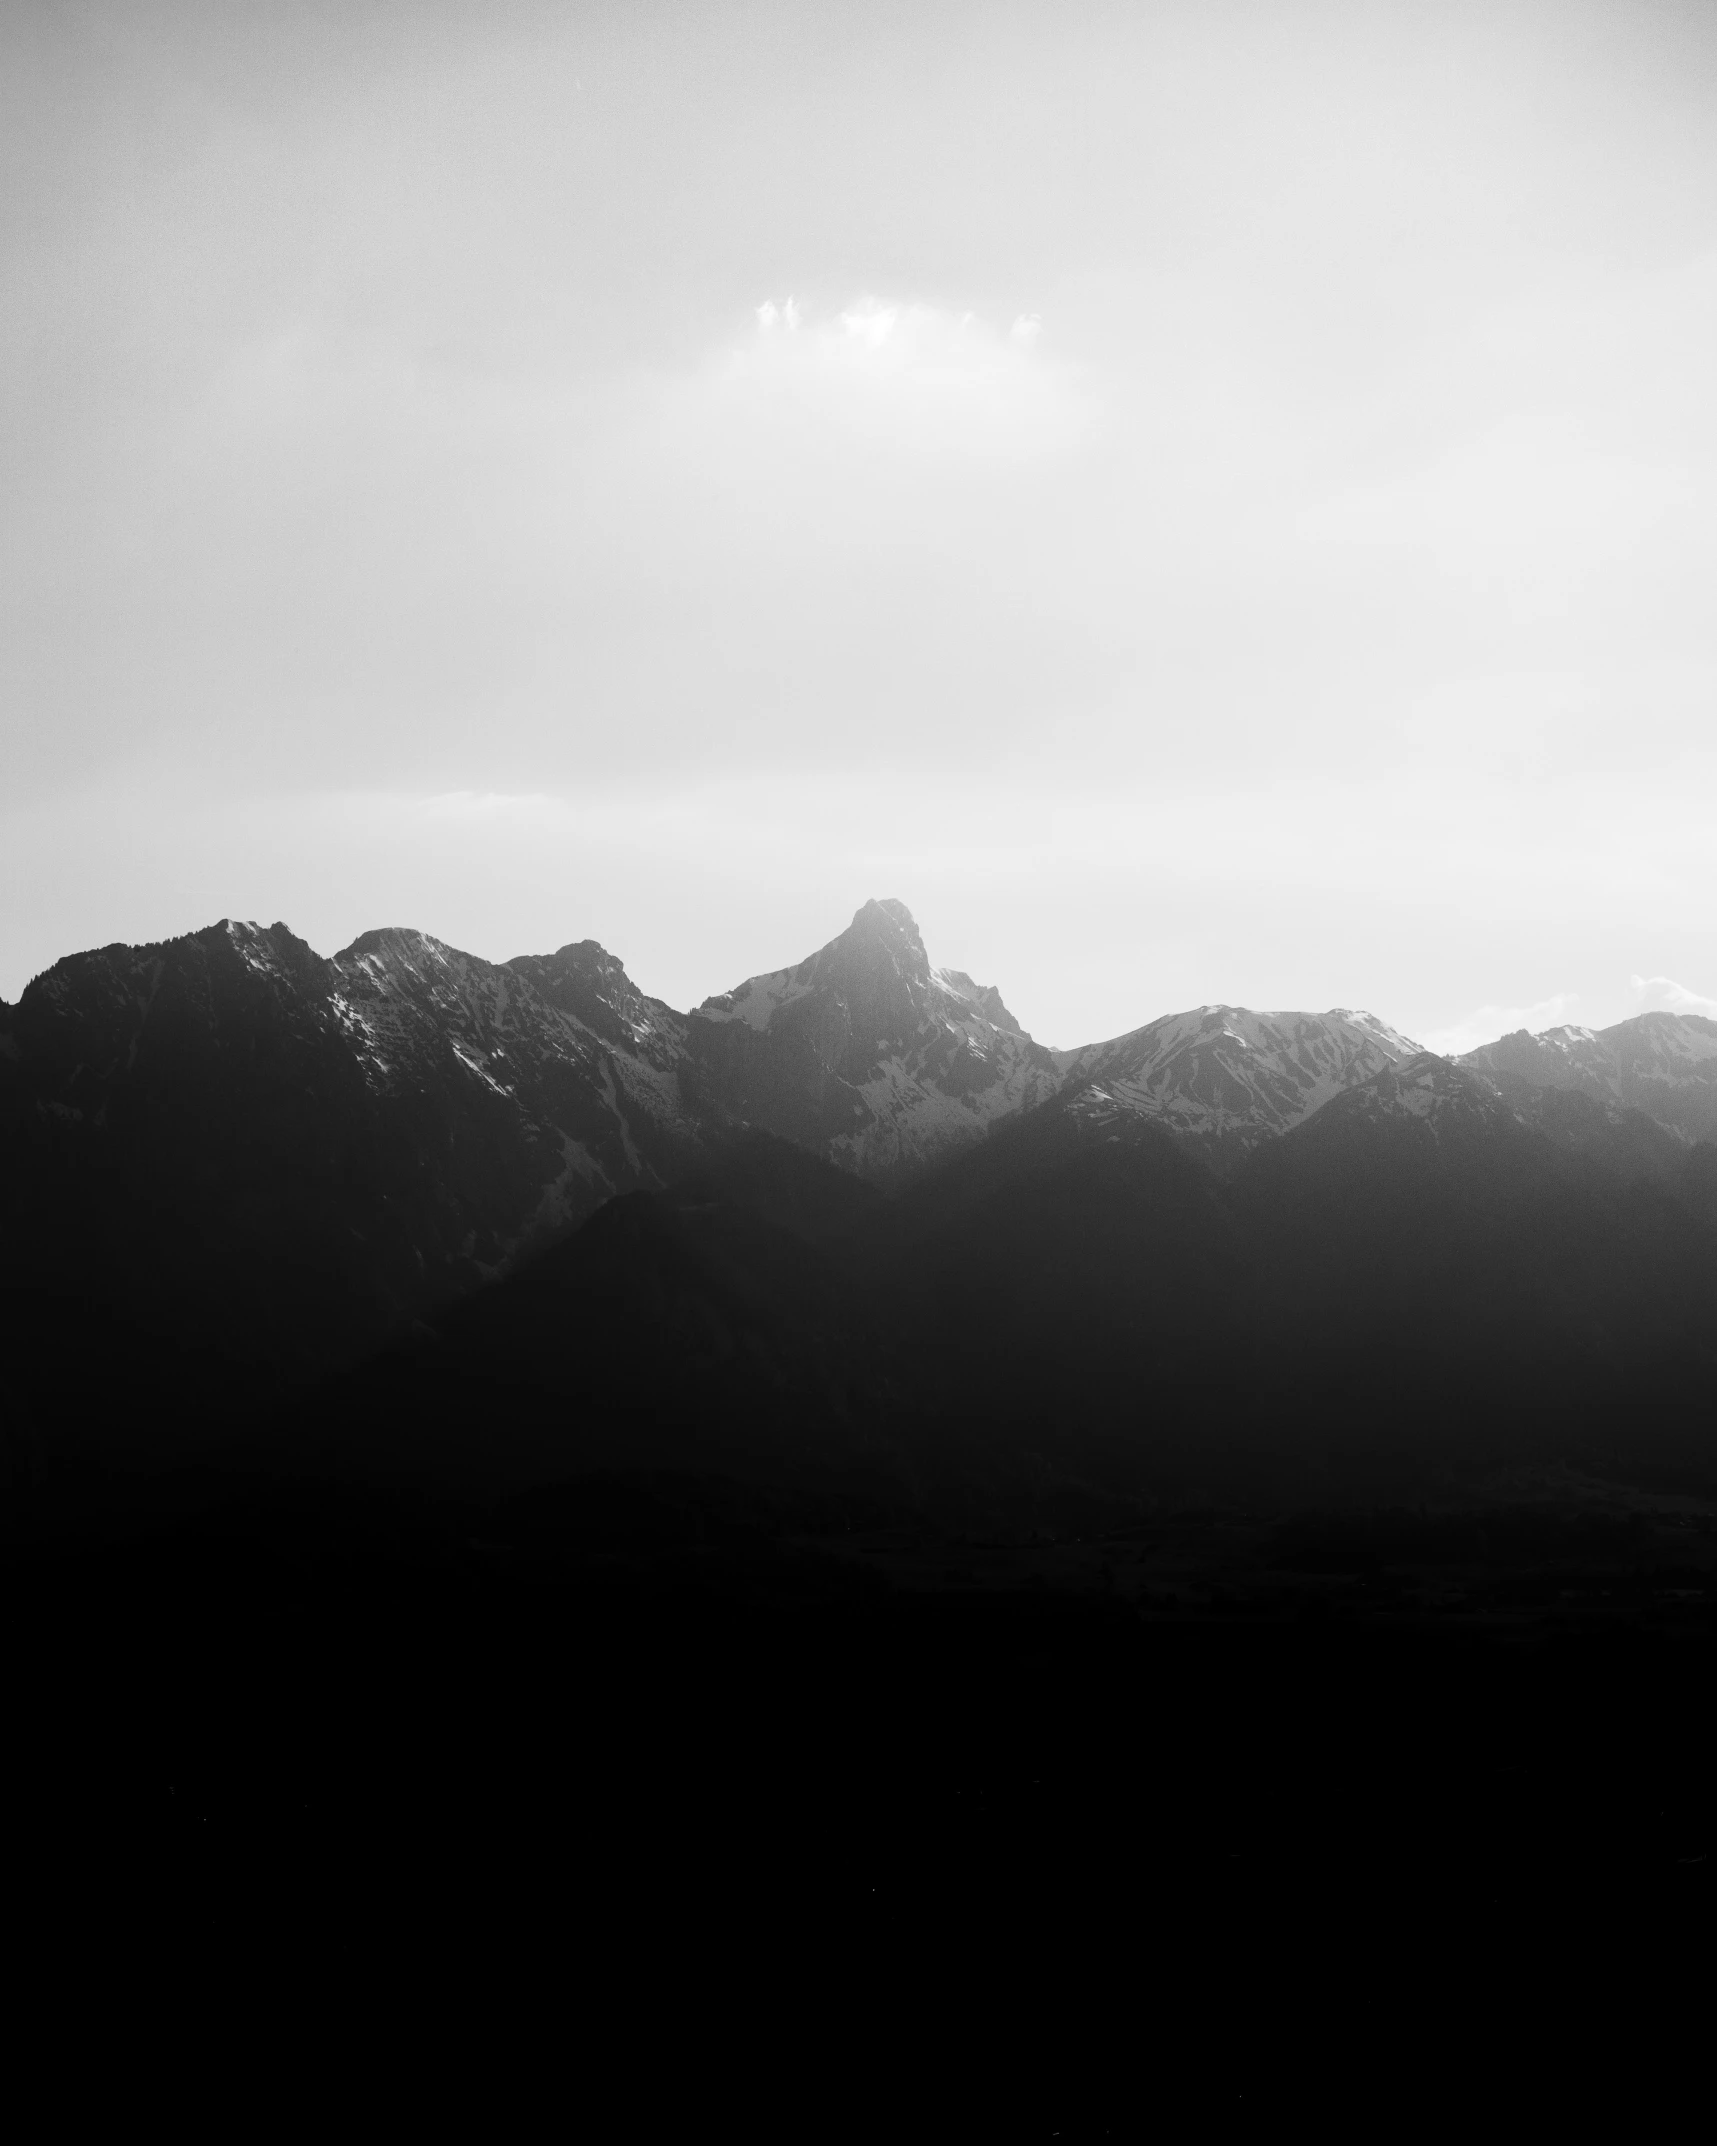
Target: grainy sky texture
1207,502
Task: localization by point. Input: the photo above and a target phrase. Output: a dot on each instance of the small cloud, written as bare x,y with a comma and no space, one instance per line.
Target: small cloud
1486,1023
1662,994
870,323
943,379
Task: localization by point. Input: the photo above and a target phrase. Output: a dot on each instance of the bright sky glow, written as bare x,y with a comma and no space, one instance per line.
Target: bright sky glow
1208,502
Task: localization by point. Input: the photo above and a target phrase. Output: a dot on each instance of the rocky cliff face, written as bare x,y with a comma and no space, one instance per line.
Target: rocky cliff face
230,1119
1663,1064
340,1144
1226,1078
866,1054
312,1152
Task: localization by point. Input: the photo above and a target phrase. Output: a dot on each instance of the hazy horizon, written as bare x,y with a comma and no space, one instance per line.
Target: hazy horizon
1204,504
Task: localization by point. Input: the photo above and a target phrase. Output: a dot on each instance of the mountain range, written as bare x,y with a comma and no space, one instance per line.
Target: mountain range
1663,1065
241,1143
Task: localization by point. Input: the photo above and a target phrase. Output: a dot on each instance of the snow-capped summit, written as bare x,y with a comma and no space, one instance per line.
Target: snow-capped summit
589,983
298,1153
881,1061
867,1053
1229,1078
878,963
397,1120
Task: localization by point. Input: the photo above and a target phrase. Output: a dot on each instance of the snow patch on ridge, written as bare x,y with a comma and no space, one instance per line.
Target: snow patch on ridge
1231,1077
757,1001
910,1120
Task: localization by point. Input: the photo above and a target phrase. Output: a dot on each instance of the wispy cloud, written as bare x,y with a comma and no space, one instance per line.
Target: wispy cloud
1486,1023
922,375
1664,994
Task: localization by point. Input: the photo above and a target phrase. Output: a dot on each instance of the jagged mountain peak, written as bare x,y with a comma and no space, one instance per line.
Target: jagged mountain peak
863,1051
880,956
1665,1022
887,915
266,1130
1661,1063
880,969
1569,1032
987,998
867,1052
198,969
1372,1025
1229,1077
1425,1085
400,943
1418,1124
389,1125
245,932
585,980
882,941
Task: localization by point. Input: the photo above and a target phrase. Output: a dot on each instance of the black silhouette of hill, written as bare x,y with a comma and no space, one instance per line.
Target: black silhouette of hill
238,1147
1316,1562
242,1146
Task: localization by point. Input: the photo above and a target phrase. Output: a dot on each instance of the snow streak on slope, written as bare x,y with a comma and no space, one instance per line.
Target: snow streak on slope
511,1113
866,1053
757,1001
1229,1078
531,1091
589,1062
1430,1090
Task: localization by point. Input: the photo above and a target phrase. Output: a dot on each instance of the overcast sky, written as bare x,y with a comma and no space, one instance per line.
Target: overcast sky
1207,502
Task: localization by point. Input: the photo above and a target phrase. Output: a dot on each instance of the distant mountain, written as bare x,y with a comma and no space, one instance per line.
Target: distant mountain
302,1153
307,1152
234,1139
1080,1300
1226,1078
1663,1064
1425,1211
866,1054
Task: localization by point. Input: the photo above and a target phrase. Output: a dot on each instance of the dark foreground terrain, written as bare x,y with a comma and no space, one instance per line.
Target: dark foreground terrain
1080,1644
1344,1763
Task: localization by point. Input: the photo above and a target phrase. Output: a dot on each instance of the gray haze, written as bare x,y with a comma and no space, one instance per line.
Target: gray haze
1208,502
